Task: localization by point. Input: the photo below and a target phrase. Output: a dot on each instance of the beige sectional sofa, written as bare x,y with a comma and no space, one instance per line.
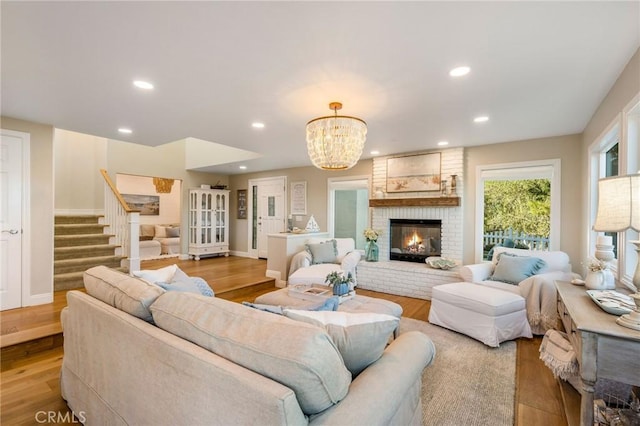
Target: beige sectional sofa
136,354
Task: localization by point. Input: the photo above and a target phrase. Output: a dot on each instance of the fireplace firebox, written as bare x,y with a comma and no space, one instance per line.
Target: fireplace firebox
413,240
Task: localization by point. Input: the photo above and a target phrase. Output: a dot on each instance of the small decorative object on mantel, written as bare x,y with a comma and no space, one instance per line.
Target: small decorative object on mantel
371,249
312,225
340,283
444,191
454,183
379,194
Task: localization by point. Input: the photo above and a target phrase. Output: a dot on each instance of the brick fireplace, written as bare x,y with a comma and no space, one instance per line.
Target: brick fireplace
415,279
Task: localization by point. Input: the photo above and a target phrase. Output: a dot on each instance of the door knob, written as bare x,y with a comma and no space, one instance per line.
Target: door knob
11,231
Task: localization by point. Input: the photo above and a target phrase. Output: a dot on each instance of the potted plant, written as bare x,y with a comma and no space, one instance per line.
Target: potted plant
340,283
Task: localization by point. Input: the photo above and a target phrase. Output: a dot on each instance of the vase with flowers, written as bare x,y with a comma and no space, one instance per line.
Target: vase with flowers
599,276
340,283
371,249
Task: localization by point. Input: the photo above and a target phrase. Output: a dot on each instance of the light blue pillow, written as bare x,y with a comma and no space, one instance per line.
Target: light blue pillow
513,269
190,285
326,252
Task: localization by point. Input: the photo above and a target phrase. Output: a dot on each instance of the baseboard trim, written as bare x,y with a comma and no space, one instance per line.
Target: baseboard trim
276,275
239,253
39,299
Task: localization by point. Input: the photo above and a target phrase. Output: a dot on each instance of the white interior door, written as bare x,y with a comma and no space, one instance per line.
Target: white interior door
270,211
11,147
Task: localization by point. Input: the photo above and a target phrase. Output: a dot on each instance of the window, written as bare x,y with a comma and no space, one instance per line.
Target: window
616,153
518,206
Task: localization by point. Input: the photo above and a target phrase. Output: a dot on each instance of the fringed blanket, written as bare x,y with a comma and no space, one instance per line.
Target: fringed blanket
557,353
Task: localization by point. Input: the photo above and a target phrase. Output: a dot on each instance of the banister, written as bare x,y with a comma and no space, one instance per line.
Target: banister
116,193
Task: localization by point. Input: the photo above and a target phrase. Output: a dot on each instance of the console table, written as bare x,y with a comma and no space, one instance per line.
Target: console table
604,348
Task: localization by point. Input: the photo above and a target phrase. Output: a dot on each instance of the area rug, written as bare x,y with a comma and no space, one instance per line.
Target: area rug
468,383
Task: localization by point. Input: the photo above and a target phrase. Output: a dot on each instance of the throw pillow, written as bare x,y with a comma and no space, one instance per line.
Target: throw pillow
513,269
360,337
147,230
326,252
173,232
160,231
157,275
191,285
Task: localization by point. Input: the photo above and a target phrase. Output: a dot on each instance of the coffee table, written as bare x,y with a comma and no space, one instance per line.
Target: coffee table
361,304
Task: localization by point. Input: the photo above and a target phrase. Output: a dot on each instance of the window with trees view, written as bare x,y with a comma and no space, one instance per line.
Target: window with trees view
519,206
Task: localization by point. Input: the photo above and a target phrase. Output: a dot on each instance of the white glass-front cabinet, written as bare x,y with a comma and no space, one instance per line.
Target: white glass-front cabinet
208,222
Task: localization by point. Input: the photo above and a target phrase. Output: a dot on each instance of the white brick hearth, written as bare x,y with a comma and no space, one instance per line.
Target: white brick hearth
406,278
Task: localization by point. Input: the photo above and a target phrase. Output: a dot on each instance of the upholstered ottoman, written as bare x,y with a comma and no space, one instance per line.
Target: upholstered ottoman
483,313
363,304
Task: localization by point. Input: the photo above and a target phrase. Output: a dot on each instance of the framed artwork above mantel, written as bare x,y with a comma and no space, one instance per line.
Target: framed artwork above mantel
414,173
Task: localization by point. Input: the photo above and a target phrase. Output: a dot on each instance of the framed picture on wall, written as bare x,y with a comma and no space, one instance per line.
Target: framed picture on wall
414,173
242,203
299,197
149,205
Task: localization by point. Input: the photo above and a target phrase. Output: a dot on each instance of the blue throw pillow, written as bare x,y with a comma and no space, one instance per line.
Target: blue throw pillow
190,285
325,252
513,269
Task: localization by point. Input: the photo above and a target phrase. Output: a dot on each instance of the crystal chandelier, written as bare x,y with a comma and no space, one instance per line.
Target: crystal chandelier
335,142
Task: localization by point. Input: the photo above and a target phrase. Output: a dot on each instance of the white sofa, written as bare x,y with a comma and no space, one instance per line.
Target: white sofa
208,361
539,290
168,237
303,270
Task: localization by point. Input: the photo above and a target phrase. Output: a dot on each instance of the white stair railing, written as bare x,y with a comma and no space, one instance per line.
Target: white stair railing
123,223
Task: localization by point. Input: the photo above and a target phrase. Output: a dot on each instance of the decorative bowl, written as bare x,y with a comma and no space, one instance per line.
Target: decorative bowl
440,262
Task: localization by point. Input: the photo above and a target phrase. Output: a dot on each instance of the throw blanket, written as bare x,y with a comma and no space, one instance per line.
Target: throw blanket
542,299
557,353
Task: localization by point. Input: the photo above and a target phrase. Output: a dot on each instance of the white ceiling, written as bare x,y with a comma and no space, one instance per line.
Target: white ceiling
538,69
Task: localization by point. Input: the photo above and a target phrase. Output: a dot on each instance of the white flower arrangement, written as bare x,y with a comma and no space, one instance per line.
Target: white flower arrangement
371,234
595,265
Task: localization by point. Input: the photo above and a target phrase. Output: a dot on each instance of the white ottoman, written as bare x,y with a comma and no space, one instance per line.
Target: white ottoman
483,313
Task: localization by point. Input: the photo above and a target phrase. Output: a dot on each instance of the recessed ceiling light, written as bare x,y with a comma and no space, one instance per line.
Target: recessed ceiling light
257,125
140,84
242,167
481,119
443,143
125,130
459,71
375,152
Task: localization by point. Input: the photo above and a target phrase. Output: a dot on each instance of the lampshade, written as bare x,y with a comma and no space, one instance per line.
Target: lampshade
335,142
618,204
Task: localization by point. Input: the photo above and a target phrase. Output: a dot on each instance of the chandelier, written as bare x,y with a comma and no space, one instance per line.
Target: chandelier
335,142
163,186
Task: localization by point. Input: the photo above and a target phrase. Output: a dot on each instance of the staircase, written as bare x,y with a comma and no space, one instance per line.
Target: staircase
79,244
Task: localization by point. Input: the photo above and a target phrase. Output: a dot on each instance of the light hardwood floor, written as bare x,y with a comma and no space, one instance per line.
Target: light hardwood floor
29,388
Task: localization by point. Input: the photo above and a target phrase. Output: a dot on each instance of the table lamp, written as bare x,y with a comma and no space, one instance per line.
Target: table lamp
619,210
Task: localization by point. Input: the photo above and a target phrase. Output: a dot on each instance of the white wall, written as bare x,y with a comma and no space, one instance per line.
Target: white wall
78,183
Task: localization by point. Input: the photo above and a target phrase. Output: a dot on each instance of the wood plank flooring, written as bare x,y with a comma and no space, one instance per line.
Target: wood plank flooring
29,387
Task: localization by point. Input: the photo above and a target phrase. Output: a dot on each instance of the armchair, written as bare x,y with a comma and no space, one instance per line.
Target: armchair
312,266
538,290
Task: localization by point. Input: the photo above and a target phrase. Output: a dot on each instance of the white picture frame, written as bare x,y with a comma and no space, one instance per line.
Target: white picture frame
299,198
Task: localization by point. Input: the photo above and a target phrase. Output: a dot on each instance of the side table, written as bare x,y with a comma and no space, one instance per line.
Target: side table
604,348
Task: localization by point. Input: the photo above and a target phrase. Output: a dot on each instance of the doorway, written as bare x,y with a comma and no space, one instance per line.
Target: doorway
267,206
14,189
348,208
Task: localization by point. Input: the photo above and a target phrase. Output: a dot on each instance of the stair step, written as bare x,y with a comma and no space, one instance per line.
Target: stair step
82,264
73,280
74,219
79,252
79,228
81,240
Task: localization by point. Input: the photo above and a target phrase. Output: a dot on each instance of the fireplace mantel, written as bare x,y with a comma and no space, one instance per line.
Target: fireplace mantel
415,202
